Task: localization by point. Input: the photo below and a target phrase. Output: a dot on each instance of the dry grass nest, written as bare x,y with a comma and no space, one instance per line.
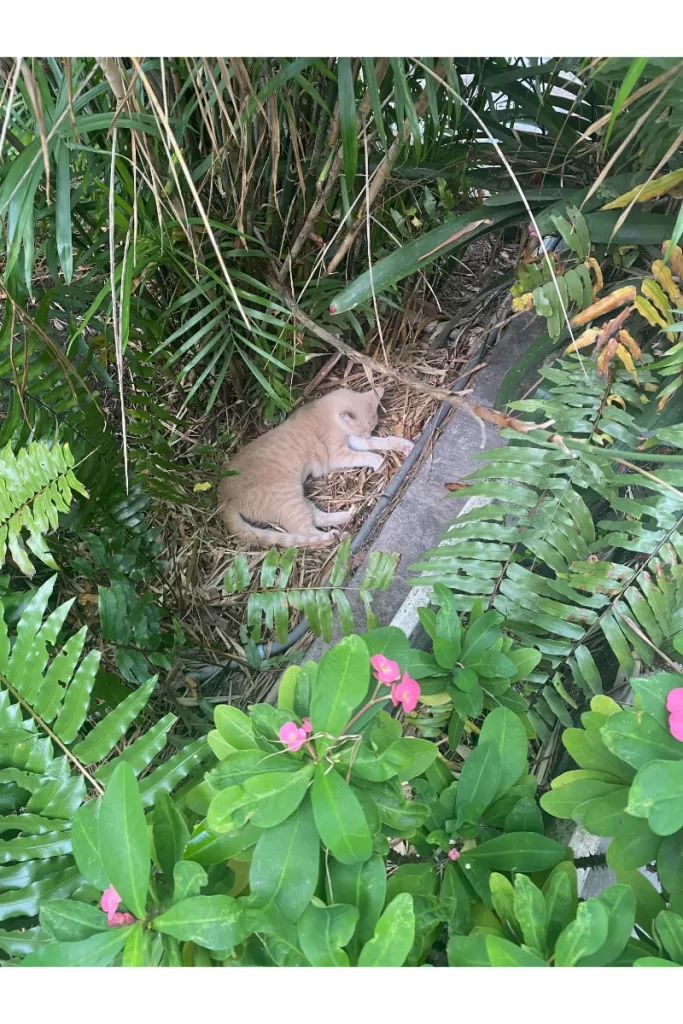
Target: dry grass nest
200,552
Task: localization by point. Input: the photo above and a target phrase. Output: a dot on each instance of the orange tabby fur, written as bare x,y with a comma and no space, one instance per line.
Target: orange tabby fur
334,432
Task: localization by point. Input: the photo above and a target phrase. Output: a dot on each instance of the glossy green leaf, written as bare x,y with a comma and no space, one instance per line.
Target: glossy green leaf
620,903
584,936
234,726
504,731
468,951
96,951
339,817
657,794
568,800
530,912
479,778
265,799
670,863
362,886
214,922
634,849
170,834
516,851
503,953
590,752
135,948
639,739
71,920
189,879
393,937
649,901
669,929
525,816
123,841
285,865
85,844
323,931
653,961
341,684
561,898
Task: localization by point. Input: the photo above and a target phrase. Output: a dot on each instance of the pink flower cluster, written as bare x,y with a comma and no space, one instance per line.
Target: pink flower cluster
109,903
406,692
293,735
674,705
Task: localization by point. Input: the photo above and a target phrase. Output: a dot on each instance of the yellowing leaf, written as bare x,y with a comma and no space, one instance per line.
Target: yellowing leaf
522,303
631,344
675,258
616,400
651,290
641,194
626,359
648,311
665,278
593,264
584,340
202,487
617,298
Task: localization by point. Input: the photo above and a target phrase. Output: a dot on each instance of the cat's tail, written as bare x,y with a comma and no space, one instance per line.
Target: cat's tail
257,537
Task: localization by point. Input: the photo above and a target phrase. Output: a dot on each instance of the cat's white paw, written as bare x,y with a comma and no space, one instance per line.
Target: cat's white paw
403,445
375,461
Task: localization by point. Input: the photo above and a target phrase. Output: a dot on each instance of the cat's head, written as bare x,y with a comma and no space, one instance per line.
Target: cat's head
356,411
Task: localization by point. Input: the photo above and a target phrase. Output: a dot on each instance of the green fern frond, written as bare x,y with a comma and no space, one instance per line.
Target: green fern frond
50,761
35,486
578,556
270,608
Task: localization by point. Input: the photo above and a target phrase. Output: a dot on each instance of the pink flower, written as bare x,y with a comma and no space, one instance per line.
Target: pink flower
293,736
674,699
109,902
120,920
407,693
674,704
453,854
306,724
385,671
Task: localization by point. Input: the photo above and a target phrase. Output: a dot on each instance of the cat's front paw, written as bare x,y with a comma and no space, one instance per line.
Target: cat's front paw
403,445
375,461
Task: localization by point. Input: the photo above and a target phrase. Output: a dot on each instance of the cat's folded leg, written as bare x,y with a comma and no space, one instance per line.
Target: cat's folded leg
300,518
326,519
356,460
380,444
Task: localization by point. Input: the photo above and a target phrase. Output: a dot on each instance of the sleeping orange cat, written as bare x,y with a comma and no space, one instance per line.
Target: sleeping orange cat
334,432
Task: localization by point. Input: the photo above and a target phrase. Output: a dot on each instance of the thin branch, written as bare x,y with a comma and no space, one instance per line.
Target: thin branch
472,408
53,736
